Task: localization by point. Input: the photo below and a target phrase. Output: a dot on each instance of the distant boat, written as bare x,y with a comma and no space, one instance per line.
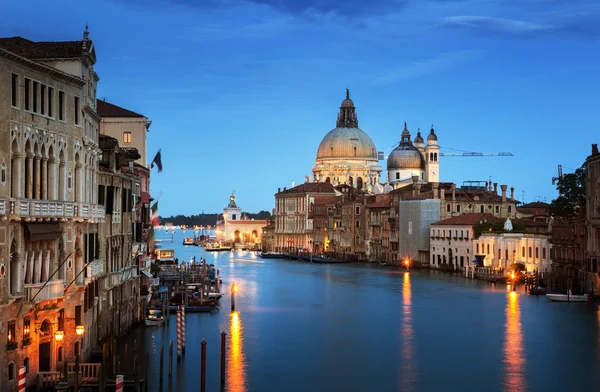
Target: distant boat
153,318
188,241
272,255
538,291
567,297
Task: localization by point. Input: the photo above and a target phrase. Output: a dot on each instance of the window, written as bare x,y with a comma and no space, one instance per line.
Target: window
43,99
26,365
77,109
50,111
543,253
397,175
69,180
3,173
26,330
61,105
499,254
497,209
457,208
26,94
477,248
448,208
509,209
467,234
127,137
481,209
537,252
78,315
357,240
15,90
530,252
101,195
11,371
61,320
11,342
36,87
357,223
488,249
357,210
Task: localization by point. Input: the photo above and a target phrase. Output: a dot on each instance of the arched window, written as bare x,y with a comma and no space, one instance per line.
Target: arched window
430,156
359,183
530,252
350,180
488,249
481,209
497,209
357,224
523,251
357,240
3,173
327,179
14,270
537,252
499,254
435,156
477,248
448,207
458,208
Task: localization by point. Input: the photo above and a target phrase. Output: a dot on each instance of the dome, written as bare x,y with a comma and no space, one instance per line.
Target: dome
419,139
432,138
405,157
347,143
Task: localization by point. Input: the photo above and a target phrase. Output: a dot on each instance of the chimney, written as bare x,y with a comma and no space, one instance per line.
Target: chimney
453,192
418,189
434,186
512,193
278,190
415,179
496,188
442,193
594,149
284,189
503,187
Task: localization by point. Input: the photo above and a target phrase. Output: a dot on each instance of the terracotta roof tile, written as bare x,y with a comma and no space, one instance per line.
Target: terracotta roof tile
318,187
42,50
107,109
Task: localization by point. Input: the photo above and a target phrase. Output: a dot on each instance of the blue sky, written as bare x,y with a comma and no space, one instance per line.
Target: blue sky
241,92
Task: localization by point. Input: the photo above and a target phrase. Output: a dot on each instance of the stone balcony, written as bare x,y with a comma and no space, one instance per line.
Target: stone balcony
95,269
36,292
31,210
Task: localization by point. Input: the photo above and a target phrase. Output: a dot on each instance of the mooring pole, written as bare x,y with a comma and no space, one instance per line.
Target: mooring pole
223,336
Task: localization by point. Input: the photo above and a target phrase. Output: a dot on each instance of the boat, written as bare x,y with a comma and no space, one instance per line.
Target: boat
538,291
272,255
569,297
188,241
153,318
216,247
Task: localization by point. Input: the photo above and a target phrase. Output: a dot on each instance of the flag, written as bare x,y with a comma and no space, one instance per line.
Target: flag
154,210
158,161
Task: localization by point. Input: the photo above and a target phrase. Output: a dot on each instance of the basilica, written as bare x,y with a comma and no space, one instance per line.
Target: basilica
347,155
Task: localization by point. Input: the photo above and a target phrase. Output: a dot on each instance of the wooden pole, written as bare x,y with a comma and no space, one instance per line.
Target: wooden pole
65,369
22,379
183,329
102,381
76,375
203,367
114,354
223,335
126,360
178,336
119,383
162,354
170,358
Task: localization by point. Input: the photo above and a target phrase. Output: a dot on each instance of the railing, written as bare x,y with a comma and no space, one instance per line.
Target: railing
89,373
52,289
50,208
154,281
94,269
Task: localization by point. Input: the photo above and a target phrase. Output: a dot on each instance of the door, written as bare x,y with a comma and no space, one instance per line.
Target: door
44,357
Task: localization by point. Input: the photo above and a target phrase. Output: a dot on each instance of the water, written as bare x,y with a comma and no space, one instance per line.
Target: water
305,327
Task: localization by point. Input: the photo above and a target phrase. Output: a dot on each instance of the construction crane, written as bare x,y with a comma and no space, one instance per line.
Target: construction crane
559,177
477,154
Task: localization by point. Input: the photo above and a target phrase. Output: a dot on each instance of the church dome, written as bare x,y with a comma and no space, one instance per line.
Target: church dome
432,138
347,140
405,157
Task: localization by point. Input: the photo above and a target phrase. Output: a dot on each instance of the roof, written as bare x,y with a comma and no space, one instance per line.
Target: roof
380,204
43,50
326,199
470,219
536,204
317,187
107,109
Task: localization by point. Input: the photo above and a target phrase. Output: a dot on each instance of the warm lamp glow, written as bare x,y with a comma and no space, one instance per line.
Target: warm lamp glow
59,335
80,329
406,262
512,275
234,288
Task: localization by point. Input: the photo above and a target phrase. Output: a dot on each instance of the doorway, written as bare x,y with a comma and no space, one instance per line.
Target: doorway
44,365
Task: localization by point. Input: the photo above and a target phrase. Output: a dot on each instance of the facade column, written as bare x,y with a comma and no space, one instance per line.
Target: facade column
51,179
15,172
61,181
78,183
29,183
37,177
44,191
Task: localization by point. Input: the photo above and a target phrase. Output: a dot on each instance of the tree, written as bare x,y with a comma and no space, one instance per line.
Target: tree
571,190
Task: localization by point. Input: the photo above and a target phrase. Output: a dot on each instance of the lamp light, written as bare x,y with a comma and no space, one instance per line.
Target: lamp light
59,335
80,329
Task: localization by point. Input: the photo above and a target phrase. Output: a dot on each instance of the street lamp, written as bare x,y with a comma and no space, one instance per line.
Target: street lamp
79,330
59,335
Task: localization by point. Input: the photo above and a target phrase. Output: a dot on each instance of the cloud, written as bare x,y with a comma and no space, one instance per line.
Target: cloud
345,8
488,25
428,66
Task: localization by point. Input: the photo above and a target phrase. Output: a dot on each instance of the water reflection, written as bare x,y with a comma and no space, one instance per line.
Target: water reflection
408,360
236,364
514,358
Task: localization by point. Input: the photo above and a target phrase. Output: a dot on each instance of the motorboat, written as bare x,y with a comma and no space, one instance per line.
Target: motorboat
188,241
569,297
272,255
153,318
538,291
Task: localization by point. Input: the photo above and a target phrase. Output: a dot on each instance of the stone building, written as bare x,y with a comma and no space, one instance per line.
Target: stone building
128,127
293,225
452,240
415,217
592,267
237,228
49,214
568,253
347,155
347,226
319,213
268,237
377,227
501,250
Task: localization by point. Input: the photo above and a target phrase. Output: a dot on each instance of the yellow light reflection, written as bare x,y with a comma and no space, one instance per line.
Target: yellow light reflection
408,361
514,358
236,364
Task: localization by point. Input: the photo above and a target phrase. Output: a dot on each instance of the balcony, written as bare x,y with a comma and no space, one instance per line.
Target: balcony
52,289
27,209
375,223
93,270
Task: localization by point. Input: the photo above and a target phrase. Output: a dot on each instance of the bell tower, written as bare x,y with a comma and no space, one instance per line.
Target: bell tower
232,212
432,156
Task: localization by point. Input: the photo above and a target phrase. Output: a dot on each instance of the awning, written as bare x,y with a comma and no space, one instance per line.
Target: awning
147,274
43,231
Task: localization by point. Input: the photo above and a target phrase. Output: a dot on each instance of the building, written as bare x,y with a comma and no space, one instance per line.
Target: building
538,211
293,225
452,240
568,237
49,215
129,128
237,228
268,237
319,212
592,267
377,227
347,225
410,160
501,250
415,217
347,155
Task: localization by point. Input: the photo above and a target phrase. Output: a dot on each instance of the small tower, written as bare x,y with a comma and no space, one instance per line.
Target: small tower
432,155
232,212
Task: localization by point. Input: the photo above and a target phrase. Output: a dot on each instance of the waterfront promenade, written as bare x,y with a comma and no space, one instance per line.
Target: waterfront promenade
303,327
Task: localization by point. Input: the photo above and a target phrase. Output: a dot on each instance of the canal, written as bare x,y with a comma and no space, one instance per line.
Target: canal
306,327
